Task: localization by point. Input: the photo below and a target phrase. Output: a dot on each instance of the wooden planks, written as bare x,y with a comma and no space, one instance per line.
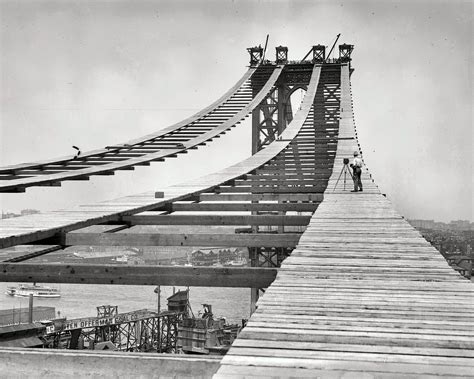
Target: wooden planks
362,295
383,309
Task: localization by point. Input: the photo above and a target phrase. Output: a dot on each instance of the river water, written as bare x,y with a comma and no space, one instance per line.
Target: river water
80,300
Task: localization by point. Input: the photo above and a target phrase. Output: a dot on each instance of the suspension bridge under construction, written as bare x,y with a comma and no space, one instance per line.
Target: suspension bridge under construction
342,285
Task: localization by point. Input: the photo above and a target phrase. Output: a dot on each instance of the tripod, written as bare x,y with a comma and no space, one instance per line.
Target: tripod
345,169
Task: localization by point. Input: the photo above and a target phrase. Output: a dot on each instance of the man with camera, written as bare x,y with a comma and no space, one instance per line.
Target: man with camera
356,166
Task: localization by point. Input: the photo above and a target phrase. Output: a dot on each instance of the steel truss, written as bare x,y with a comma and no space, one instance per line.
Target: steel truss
158,333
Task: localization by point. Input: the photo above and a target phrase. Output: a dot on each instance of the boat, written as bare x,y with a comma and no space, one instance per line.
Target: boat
239,262
25,290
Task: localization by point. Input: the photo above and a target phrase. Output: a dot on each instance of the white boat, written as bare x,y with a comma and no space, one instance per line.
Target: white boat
24,290
239,262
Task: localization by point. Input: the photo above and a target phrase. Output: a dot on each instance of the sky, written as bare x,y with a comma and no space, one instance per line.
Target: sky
93,74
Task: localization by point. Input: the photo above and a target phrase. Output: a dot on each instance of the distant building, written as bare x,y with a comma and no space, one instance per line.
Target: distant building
203,258
9,215
425,224
26,212
440,226
216,256
130,255
23,212
460,225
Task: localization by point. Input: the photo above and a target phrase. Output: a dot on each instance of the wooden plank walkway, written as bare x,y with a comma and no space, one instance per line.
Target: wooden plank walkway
363,295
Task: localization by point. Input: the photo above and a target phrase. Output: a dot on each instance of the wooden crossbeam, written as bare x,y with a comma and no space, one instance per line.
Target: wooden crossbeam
272,189
262,197
295,170
309,161
247,277
265,181
276,171
217,220
297,159
237,207
296,175
183,239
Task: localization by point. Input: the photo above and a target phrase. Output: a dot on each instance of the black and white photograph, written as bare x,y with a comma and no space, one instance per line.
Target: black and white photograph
236,189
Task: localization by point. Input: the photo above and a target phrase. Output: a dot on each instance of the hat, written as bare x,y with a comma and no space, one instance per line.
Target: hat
356,153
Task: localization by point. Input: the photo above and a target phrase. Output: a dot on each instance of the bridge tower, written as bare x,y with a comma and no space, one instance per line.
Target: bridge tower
269,119
275,112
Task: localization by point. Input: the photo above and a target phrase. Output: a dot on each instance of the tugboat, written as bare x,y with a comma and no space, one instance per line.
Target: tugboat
24,290
203,334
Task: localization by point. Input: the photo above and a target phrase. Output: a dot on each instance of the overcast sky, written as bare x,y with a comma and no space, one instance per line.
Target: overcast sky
93,74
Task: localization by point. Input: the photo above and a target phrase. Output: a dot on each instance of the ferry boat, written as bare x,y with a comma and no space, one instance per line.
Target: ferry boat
24,290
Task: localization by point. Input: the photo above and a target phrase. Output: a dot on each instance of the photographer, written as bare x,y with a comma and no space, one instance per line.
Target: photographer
356,166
